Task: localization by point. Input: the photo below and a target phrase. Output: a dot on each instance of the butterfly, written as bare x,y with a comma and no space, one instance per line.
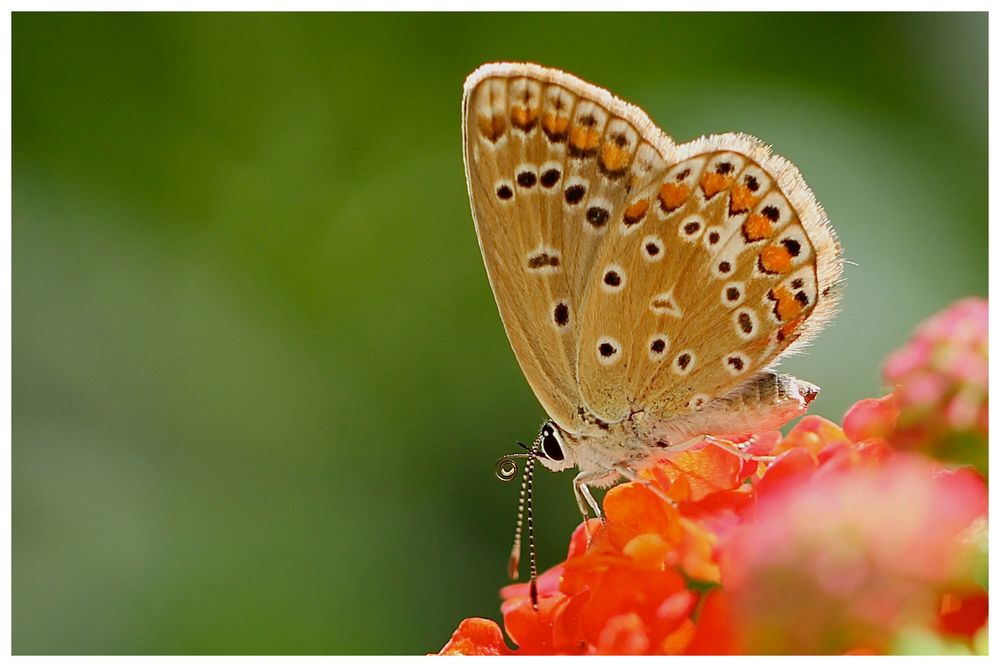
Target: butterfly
647,288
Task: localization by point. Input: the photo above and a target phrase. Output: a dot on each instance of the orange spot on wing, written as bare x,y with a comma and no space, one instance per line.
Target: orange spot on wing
613,157
786,307
523,117
740,198
636,212
555,125
775,259
756,227
712,183
584,138
672,195
492,127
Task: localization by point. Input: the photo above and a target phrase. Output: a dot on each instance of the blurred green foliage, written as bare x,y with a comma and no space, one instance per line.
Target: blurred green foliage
259,377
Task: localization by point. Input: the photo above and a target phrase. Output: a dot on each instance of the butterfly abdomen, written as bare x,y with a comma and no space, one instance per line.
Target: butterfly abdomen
766,402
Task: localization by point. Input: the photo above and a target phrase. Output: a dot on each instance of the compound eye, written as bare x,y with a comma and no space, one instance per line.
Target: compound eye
551,446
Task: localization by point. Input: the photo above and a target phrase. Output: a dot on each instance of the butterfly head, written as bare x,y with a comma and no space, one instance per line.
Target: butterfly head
550,447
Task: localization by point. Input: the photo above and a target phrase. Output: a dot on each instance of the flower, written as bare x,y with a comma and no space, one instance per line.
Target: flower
941,380
844,560
476,636
851,540
634,588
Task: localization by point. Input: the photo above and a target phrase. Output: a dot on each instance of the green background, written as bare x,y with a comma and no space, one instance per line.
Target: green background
259,378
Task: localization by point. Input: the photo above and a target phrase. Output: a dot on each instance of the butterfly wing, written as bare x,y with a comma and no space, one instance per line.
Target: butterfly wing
613,253
548,168
736,264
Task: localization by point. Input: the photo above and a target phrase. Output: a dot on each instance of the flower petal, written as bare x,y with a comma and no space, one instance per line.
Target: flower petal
871,418
813,433
714,633
476,636
623,635
531,629
705,470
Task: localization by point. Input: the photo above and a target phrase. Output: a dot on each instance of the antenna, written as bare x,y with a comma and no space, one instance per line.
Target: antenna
506,469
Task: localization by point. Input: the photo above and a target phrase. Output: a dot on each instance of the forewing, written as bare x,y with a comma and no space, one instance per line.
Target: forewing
550,163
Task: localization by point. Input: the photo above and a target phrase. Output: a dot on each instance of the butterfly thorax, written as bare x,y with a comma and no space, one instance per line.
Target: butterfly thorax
598,450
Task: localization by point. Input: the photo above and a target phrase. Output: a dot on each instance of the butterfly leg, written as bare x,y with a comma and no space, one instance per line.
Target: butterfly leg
737,450
632,475
585,500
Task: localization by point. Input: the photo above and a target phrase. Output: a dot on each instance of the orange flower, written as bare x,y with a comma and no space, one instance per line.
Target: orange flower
636,587
476,636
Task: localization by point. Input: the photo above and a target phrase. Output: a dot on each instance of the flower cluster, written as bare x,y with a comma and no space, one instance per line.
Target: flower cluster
941,380
853,540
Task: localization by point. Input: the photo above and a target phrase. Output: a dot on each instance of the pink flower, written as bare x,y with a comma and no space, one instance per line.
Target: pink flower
941,380
845,558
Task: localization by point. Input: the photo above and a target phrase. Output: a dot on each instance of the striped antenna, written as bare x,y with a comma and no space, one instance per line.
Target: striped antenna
506,469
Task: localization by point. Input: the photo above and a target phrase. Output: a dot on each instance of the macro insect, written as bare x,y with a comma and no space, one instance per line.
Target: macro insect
648,288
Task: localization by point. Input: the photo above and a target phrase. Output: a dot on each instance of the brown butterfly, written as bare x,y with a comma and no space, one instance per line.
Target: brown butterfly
647,287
